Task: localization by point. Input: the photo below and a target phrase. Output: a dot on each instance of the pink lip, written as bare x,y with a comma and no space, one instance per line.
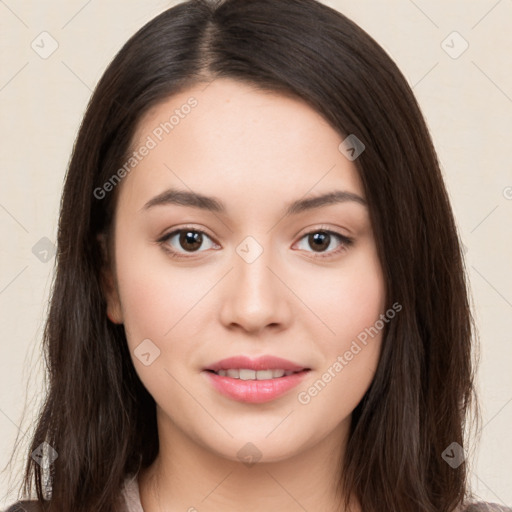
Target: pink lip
255,391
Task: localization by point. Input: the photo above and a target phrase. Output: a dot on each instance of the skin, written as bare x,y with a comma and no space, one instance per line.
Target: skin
256,152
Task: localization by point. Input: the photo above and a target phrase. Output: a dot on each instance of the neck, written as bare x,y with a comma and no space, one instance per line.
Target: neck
188,476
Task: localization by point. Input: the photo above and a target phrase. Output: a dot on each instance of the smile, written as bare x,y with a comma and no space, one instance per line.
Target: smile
248,374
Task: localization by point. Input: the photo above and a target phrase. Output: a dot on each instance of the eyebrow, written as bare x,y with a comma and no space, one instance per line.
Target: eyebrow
196,200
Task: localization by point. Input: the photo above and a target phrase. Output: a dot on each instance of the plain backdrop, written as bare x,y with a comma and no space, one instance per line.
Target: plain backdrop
455,54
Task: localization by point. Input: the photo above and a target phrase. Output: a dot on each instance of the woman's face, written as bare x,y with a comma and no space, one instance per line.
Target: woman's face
253,277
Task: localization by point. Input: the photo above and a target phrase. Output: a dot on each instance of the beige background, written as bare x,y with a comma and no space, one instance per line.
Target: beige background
467,102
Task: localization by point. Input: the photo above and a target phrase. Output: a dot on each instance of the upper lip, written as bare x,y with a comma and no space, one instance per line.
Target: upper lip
266,362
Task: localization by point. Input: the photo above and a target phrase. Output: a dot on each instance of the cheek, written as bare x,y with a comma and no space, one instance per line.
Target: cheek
154,294
160,304
350,303
350,299
145,298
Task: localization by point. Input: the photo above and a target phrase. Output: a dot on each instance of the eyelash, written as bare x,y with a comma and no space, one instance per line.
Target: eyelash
345,241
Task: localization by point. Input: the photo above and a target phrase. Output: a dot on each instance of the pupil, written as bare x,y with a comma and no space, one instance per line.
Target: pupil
191,237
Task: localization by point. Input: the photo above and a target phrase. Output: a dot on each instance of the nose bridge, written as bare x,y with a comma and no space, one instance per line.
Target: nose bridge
254,297
254,279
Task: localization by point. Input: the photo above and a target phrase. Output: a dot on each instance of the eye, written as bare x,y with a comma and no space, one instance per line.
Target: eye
185,240
190,240
321,240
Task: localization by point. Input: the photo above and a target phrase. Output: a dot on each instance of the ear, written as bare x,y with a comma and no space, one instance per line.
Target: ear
108,282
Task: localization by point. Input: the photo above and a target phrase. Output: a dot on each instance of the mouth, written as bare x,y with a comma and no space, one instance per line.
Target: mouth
249,374
258,380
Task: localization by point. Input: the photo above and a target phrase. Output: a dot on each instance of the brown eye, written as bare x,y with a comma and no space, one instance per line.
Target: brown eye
186,240
323,242
190,240
319,241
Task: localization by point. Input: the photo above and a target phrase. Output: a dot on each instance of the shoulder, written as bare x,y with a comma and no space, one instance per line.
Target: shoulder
129,493
34,506
482,506
25,506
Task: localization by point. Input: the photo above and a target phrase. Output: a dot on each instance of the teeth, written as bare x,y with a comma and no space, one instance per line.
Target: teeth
264,374
246,374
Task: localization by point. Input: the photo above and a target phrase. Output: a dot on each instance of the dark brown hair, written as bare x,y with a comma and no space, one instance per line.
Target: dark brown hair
98,416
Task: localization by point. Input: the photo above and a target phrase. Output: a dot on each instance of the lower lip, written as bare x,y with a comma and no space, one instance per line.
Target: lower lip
255,391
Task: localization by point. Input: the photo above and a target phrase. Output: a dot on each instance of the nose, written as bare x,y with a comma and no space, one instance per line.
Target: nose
254,297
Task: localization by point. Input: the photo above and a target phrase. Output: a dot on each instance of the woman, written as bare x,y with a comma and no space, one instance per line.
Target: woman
260,300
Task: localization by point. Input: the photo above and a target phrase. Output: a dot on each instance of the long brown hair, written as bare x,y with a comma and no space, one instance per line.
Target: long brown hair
98,416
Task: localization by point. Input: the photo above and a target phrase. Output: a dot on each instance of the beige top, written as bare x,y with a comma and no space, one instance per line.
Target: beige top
132,499
130,493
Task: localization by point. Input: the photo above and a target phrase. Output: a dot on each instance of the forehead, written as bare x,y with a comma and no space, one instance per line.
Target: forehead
229,139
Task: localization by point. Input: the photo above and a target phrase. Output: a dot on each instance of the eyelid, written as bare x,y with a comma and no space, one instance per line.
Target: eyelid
321,227
184,227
